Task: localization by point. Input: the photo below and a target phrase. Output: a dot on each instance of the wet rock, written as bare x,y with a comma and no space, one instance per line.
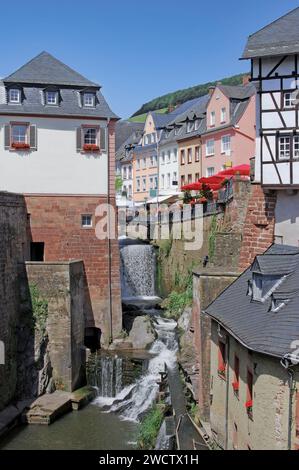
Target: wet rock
187,356
142,334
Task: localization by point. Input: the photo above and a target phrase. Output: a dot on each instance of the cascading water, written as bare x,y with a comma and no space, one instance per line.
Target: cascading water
106,375
138,271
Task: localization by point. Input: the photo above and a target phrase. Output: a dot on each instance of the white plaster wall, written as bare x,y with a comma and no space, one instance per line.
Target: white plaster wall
56,167
287,218
166,168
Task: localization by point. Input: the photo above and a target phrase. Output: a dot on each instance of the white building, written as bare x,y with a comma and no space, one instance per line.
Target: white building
275,63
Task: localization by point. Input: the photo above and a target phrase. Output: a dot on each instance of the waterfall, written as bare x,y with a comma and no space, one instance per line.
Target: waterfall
138,270
134,401
108,375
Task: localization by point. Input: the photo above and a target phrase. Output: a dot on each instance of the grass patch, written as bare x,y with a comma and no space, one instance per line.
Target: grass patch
180,298
149,428
39,310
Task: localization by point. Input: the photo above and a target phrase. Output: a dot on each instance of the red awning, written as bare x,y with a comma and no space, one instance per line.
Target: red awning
192,187
243,170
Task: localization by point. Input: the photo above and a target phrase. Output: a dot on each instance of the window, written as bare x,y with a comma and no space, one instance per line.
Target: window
284,150
19,134
182,157
151,161
249,398
175,155
196,177
183,180
221,359
296,146
210,171
189,155
210,147
196,124
223,115
130,172
156,182
90,135
236,382
175,178
144,163
153,138
162,181
52,97
151,183
163,158
168,180
138,184
144,183
86,221
189,179
212,118
197,153
190,126
289,99
37,251
225,144
155,160
168,156
176,130
89,100
264,285
14,95
138,163
146,139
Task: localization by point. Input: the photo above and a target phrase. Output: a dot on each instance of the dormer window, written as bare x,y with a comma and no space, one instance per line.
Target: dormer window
264,285
89,100
190,126
52,98
14,96
278,304
196,124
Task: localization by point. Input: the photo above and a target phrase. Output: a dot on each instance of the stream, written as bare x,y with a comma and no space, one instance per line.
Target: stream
111,421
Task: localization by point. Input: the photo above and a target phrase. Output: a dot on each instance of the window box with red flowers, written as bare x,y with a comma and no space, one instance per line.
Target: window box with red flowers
91,148
222,371
236,387
248,406
20,146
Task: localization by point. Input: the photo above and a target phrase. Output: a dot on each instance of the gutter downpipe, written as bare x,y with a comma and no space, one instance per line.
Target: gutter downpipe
291,383
227,395
108,233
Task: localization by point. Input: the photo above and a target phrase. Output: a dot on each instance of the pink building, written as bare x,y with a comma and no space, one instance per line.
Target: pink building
229,139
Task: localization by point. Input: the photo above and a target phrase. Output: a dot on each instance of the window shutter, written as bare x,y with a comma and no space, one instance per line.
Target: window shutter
79,139
7,136
103,138
33,137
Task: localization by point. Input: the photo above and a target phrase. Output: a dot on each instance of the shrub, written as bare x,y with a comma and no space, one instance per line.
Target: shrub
149,428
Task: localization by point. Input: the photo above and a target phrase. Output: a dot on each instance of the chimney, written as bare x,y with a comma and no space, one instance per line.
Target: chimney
211,90
246,79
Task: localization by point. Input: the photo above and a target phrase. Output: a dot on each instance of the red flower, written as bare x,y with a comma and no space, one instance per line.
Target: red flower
20,145
248,404
91,147
235,386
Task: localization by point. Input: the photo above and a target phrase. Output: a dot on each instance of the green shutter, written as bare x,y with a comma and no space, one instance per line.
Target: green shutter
33,137
103,138
7,136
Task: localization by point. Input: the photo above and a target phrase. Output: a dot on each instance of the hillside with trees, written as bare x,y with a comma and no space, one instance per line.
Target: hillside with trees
181,96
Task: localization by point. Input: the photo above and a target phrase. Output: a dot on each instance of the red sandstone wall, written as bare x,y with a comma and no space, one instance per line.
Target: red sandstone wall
56,221
258,233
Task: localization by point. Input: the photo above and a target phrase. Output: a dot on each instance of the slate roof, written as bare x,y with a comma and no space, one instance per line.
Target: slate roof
46,69
277,38
251,322
43,71
127,133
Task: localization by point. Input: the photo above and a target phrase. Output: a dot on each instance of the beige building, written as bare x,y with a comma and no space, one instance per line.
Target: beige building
254,381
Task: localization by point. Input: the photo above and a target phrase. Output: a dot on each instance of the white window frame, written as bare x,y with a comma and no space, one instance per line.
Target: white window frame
190,127
296,147
210,171
93,141
223,115
144,183
168,180
284,147
175,155
197,153
53,94
18,138
226,144
89,100
190,155
196,124
212,118
210,147
163,158
17,93
162,181
86,221
289,99
169,156
138,187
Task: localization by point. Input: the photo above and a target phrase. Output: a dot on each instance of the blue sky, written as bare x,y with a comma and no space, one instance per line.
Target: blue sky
136,50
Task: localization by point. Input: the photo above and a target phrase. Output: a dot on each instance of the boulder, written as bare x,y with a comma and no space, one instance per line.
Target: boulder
142,334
